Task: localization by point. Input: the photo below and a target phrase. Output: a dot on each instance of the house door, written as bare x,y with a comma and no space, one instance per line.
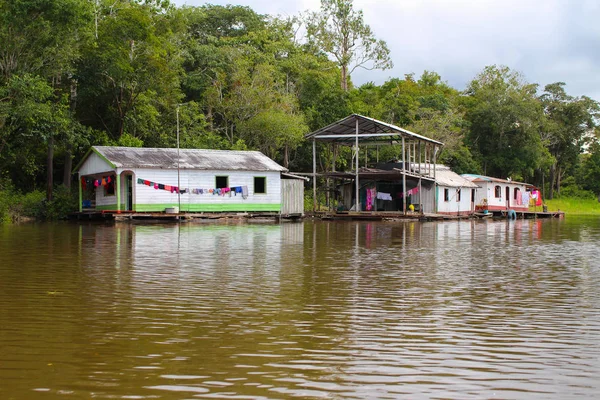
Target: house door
129,189
507,197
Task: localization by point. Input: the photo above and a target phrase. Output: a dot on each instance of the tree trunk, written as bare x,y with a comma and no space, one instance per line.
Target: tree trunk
551,182
345,78
49,169
69,149
286,156
558,173
68,167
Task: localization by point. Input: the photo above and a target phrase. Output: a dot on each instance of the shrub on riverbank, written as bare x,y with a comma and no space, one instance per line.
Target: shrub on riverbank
15,206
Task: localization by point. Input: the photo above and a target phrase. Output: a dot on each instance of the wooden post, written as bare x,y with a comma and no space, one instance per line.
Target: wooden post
357,162
403,177
314,176
80,194
435,197
118,189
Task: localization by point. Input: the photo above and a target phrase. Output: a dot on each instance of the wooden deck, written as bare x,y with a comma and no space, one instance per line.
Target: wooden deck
393,215
161,216
340,216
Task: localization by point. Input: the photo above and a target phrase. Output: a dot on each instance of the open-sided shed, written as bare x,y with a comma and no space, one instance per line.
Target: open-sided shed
407,178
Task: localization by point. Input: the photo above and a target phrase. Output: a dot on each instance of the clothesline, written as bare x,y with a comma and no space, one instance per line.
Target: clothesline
243,190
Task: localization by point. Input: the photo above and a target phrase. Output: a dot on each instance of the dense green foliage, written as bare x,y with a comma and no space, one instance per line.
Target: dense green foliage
74,73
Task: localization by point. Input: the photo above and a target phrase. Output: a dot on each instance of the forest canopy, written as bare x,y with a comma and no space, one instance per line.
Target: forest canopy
76,73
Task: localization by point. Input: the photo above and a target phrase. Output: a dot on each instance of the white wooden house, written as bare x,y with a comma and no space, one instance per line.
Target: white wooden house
188,180
454,194
502,194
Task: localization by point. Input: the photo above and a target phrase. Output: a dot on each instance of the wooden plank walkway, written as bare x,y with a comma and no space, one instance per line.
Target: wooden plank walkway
161,216
394,215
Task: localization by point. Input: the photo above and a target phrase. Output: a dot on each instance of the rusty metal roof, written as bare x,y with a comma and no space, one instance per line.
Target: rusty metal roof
483,178
369,130
201,159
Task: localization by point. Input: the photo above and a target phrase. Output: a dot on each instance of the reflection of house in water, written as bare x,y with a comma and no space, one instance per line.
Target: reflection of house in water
201,251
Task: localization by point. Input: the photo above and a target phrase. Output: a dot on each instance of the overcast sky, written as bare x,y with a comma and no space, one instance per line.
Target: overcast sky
546,40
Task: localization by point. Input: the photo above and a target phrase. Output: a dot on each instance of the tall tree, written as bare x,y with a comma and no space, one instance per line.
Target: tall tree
42,39
130,73
569,121
505,117
341,32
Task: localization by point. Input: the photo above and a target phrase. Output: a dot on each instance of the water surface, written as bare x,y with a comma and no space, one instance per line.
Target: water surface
466,309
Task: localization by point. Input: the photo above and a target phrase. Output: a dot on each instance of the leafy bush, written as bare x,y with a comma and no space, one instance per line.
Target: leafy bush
32,204
64,202
8,198
14,205
570,189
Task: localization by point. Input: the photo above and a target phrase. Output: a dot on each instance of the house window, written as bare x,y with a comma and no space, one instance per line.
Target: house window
497,192
446,194
260,185
221,182
109,188
516,193
458,194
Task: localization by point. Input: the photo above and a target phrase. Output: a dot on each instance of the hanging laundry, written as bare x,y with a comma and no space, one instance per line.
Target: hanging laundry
140,181
244,192
384,196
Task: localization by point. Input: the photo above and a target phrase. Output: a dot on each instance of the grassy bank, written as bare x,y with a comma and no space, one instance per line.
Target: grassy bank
574,206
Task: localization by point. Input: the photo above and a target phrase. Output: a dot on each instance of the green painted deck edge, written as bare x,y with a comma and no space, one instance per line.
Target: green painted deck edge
238,207
106,207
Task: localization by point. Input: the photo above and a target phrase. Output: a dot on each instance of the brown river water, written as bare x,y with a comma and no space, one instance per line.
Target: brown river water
335,310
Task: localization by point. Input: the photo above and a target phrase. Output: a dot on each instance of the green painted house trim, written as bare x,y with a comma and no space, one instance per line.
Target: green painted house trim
236,207
87,155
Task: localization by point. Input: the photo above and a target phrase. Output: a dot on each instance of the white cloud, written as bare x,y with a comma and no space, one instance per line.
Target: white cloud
548,41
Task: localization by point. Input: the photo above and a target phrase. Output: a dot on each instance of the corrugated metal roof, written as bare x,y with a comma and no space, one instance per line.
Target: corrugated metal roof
202,159
370,129
446,177
482,178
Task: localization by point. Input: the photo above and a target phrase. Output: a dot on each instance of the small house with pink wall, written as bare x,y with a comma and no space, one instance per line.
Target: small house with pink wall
503,194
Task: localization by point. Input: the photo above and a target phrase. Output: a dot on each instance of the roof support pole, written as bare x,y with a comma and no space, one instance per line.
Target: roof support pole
420,174
435,151
178,173
356,180
403,176
314,174
118,187
80,193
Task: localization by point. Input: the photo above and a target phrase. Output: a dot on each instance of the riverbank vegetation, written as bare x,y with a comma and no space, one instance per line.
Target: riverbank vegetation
74,73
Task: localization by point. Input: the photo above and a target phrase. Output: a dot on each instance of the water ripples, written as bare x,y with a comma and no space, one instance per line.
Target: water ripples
313,310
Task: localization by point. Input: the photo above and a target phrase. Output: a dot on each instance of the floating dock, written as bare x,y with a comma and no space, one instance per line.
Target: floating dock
163,216
391,215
